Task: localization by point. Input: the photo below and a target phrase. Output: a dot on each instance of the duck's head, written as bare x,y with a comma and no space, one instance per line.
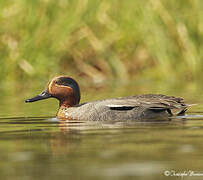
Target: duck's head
63,88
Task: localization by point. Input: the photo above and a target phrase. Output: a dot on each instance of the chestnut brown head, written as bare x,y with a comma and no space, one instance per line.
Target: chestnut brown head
63,88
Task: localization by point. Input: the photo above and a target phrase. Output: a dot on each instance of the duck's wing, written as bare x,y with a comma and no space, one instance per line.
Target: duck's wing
172,104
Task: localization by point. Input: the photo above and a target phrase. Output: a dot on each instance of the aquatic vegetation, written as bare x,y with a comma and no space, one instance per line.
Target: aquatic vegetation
100,40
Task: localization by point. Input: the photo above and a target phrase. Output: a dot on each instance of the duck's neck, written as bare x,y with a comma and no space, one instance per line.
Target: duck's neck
63,105
66,103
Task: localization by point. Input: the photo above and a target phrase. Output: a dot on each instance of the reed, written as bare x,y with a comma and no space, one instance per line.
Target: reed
100,40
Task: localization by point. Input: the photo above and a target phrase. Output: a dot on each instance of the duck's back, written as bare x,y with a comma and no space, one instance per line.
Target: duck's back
141,107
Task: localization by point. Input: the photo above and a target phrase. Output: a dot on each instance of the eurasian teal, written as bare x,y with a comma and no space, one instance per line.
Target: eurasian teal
138,107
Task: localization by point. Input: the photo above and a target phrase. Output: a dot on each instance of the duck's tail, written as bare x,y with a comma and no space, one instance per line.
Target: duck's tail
180,111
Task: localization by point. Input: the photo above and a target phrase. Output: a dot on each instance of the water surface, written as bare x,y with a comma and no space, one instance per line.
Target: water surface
36,145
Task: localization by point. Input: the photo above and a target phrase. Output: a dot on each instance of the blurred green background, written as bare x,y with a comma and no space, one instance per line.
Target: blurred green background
101,41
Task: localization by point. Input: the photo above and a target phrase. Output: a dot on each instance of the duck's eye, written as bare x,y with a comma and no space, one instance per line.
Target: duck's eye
58,82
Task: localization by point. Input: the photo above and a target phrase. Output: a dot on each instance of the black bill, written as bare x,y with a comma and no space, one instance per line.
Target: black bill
44,95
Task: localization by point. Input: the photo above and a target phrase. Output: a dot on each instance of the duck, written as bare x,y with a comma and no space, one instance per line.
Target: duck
137,107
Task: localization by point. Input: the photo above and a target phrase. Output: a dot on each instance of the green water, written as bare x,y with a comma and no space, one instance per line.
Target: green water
36,145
